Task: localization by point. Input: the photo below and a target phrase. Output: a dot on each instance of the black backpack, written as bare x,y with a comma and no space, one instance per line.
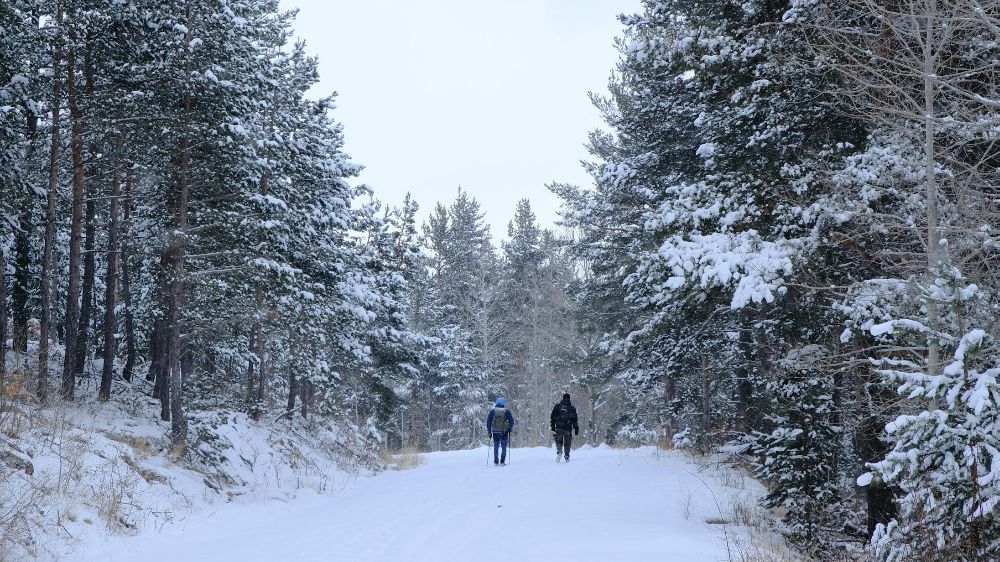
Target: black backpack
499,420
564,419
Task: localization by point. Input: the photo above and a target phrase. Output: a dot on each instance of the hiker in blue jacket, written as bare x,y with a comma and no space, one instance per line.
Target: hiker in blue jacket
500,422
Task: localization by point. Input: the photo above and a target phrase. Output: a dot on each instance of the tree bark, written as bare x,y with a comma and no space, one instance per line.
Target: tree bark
111,275
256,383
50,219
22,276
159,367
130,351
292,390
880,499
3,328
306,388
76,226
89,250
706,405
87,296
178,419
747,419
934,256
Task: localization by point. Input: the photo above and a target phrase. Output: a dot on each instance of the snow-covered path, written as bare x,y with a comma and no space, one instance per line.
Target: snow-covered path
607,504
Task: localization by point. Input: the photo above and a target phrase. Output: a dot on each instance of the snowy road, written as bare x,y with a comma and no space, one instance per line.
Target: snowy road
606,505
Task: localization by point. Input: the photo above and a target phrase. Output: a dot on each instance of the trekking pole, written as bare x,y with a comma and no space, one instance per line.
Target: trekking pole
510,445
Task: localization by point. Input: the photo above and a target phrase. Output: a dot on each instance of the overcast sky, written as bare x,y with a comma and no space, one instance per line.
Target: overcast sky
491,96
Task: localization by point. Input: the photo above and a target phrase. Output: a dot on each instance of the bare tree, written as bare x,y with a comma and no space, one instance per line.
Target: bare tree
923,70
923,73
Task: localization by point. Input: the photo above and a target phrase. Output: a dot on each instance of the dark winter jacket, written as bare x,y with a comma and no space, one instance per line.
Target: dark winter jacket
564,421
510,420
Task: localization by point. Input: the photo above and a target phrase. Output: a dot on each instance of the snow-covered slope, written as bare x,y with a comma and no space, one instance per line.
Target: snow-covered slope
72,475
607,504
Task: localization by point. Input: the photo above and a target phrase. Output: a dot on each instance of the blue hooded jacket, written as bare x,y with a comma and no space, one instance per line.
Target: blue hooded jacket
510,417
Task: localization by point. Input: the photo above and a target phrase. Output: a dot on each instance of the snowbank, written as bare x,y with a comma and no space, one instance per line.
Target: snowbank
83,472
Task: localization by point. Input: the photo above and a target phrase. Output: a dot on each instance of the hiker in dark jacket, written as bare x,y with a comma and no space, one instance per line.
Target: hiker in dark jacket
500,422
564,424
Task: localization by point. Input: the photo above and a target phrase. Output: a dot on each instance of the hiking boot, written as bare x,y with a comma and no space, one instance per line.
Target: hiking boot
496,462
503,463
567,458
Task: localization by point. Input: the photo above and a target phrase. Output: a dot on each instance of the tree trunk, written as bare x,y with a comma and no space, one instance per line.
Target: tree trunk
306,388
706,405
255,383
130,351
76,226
3,328
22,276
249,397
178,419
747,420
880,499
50,219
934,256
111,275
159,366
293,388
669,394
87,297
90,250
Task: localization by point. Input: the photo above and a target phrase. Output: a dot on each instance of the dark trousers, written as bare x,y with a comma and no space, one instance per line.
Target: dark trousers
500,441
564,440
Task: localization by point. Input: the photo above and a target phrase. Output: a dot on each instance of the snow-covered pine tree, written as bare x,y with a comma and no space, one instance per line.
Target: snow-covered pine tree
388,238
799,456
463,365
945,447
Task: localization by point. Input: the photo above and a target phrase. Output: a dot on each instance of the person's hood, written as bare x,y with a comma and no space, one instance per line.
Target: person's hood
566,401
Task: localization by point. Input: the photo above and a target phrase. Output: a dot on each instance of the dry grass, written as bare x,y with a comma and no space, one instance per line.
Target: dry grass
686,501
757,548
404,459
112,496
142,447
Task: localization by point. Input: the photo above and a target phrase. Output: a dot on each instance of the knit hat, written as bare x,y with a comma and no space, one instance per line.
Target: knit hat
500,401
566,396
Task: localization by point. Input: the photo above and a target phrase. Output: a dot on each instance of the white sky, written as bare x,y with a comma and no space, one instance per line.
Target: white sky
491,96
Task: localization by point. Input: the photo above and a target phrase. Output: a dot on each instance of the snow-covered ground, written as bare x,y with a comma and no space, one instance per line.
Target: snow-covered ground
607,504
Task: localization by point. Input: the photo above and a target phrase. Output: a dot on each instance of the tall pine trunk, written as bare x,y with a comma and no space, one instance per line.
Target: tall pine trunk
89,250
22,276
158,366
178,419
87,295
50,218
293,389
130,351
111,275
3,328
76,227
